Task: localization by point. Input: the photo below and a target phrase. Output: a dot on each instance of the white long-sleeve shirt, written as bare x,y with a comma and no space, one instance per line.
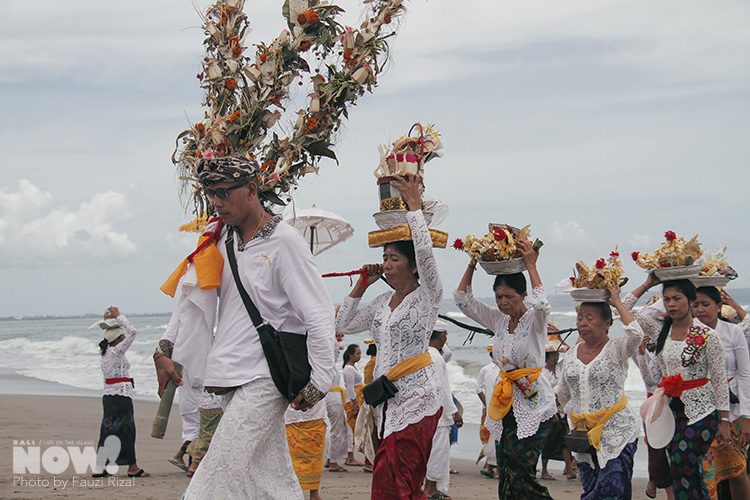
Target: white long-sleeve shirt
449,407
403,333
737,363
283,281
524,349
600,384
115,364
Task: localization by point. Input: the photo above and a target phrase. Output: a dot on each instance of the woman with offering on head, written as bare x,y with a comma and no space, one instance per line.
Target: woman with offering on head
401,322
593,376
520,418
689,365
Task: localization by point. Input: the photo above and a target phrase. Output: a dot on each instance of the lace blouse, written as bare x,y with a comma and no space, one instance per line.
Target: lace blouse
737,366
600,384
700,401
352,378
524,349
403,333
115,364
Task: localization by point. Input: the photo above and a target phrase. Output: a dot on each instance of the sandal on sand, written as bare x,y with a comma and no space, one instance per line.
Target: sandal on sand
337,469
101,474
178,464
486,474
439,496
651,490
547,477
140,473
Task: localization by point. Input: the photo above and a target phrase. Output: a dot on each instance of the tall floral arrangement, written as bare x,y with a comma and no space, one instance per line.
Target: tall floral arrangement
247,94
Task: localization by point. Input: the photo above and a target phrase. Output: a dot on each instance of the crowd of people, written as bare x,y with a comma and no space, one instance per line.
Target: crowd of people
246,437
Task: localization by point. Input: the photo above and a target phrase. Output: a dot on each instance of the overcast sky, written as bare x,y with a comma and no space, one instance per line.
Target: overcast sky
597,122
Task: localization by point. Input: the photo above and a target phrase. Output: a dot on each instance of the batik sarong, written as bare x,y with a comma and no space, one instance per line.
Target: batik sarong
400,463
119,420
210,418
307,441
614,481
340,434
351,416
721,464
686,451
517,459
249,456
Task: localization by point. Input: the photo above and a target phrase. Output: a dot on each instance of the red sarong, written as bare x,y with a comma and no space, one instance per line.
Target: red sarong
400,463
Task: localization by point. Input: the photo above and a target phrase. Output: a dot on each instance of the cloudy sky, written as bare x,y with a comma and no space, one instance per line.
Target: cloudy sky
600,123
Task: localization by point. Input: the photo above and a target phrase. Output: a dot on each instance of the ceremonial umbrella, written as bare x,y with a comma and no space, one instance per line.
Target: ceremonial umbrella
321,228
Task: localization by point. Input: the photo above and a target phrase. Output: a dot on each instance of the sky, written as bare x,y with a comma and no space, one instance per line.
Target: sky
600,123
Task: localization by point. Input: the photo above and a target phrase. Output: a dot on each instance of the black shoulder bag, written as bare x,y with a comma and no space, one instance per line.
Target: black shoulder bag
286,353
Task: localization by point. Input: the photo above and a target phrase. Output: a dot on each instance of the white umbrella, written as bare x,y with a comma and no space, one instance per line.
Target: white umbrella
321,228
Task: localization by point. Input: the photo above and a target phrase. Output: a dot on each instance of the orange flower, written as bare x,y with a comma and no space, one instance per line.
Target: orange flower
308,17
263,57
234,116
387,19
351,62
231,84
312,124
200,128
348,53
198,154
305,45
234,43
266,165
274,99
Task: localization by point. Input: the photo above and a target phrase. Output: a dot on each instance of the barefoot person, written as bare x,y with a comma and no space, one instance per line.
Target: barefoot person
118,420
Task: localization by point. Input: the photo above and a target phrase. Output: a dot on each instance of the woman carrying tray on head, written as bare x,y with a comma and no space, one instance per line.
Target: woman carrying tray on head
689,363
593,376
401,322
520,328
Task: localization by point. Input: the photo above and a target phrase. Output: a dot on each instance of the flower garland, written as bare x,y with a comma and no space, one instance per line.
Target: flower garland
604,273
245,96
673,252
498,244
695,341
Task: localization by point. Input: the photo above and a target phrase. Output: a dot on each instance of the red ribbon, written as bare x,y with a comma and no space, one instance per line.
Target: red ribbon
213,237
110,381
674,385
361,272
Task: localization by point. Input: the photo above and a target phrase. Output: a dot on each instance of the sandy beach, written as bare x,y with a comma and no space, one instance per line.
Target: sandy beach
46,421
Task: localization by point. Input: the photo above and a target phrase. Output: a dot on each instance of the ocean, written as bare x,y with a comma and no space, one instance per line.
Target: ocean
62,350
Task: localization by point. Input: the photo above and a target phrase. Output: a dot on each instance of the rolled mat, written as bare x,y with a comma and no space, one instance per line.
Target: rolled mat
165,406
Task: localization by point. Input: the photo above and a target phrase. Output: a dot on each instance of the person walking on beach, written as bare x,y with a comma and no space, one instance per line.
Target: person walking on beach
437,479
491,371
401,322
118,419
249,455
353,383
519,419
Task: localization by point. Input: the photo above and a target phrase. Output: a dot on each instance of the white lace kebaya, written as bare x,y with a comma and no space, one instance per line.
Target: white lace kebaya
524,349
600,384
115,364
401,334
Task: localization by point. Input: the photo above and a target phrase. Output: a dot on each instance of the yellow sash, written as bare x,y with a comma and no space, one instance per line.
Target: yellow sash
208,263
409,365
338,388
594,422
360,396
369,368
502,396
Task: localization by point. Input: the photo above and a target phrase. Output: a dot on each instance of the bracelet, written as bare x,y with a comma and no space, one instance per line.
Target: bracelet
726,419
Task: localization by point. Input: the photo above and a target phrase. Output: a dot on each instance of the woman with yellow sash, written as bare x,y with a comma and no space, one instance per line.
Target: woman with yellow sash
401,322
593,376
521,403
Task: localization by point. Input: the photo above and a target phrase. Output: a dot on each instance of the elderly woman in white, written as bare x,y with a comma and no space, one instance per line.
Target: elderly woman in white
593,376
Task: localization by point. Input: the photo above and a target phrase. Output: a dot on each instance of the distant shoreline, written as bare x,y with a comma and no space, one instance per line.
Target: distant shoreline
77,316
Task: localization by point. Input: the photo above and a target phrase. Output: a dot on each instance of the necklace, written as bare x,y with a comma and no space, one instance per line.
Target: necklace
242,240
593,350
